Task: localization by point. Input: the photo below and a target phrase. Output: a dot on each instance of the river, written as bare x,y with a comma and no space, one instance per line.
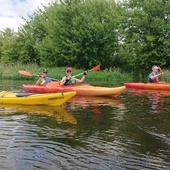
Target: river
129,132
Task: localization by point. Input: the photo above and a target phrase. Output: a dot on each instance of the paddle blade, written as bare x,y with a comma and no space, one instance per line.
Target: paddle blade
26,73
96,68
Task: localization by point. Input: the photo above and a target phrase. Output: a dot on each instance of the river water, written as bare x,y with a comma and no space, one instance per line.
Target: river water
129,132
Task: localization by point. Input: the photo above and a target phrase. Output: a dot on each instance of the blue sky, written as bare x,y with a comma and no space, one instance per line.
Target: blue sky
11,11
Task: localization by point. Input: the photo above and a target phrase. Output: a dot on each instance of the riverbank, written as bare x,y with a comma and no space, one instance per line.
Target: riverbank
102,77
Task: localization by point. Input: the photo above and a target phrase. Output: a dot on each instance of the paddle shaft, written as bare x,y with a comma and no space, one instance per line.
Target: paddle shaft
96,68
80,74
48,77
26,73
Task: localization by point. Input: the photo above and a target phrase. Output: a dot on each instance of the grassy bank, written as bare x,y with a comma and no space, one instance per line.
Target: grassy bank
105,77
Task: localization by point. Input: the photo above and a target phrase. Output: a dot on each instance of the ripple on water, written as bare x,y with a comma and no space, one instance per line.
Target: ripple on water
43,144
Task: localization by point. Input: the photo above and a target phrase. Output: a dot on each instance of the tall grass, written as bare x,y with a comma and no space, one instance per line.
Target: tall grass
106,77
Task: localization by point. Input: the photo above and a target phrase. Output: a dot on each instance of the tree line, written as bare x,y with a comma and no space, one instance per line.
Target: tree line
132,35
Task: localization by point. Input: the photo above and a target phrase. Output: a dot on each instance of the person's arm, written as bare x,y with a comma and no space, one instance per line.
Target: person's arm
155,76
82,79
63,81
39,81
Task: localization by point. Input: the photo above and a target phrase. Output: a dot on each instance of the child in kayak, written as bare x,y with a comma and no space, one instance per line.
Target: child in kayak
70,80
153,77
43,79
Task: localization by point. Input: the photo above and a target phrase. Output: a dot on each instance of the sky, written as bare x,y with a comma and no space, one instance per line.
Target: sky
11,11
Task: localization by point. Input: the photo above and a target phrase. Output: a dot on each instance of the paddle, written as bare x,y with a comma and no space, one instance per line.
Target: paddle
162,74
26,73
161,71
96,68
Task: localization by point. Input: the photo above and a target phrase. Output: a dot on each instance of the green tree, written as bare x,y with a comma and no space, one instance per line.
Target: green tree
9,53
79,33
27,39
145,35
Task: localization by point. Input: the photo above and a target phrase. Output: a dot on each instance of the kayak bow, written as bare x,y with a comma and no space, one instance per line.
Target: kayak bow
52,99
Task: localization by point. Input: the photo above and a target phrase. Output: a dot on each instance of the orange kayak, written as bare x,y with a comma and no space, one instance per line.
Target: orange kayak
81,89
148,86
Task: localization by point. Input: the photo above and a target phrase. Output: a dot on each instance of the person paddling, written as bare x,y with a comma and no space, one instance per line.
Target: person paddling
43,79
153,77
71,80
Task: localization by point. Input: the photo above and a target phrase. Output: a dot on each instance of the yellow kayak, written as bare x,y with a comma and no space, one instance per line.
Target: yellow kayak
50,99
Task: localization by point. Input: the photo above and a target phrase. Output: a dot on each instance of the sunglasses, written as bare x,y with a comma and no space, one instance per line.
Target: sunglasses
68,71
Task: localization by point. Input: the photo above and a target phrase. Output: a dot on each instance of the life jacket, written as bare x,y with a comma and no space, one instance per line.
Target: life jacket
70,81
45,81
155,80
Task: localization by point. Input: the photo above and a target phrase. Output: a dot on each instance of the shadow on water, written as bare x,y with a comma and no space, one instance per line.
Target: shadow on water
129,132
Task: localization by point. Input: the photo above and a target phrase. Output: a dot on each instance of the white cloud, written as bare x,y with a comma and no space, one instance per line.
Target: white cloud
13,23
11,11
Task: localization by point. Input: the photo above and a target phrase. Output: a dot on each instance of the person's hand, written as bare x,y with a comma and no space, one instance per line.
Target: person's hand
85,73
41,76
64,79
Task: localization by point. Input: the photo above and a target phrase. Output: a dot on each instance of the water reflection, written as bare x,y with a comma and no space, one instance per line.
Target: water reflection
157,101
97,106
58,113
86,101
13,85
122,133
148,114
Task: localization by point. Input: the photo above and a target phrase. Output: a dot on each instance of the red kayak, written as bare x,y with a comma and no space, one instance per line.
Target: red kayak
148,86
81,89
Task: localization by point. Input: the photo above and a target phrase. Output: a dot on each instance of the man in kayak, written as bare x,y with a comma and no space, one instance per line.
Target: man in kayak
43,79
153,77
71,80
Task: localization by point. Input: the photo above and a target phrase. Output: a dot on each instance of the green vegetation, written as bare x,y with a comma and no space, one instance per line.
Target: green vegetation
132,35
106,77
